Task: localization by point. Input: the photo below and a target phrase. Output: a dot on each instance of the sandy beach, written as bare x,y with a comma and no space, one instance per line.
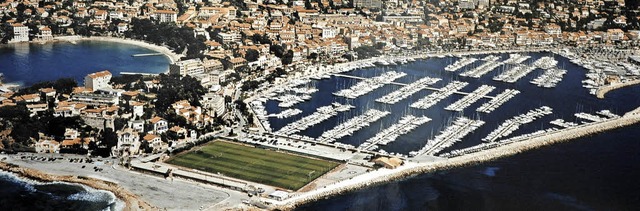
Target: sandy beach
173,57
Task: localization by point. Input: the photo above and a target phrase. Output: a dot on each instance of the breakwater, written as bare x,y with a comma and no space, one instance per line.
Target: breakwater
132,201
412,169
604,89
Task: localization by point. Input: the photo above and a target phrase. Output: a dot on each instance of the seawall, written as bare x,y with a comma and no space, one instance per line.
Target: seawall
411,169
605,89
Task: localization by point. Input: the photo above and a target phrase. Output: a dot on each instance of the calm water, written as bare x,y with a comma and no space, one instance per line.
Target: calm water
18,194
593,173
30,63
566,99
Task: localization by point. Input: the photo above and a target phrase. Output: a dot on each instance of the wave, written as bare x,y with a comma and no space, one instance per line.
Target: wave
78,193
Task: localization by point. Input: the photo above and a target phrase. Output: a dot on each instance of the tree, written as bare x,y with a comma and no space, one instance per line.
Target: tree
287,58
175,89
252,55
65,85
313,56
277,50
366,51
109,138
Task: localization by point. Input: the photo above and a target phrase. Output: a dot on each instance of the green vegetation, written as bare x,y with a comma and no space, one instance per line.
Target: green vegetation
174,88
254,164
367,51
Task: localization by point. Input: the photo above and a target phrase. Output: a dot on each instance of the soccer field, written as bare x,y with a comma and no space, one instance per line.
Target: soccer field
254,164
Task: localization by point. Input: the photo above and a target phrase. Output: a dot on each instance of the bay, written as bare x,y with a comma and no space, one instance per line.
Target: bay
27,64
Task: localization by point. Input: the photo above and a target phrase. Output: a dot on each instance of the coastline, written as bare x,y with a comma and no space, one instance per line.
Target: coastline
411,169
173,57
131,201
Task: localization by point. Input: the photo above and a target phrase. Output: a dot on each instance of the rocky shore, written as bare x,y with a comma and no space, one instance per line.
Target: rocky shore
132,201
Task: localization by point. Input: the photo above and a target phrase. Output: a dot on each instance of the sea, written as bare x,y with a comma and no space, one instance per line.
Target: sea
26,64
22,194
593,173
599,172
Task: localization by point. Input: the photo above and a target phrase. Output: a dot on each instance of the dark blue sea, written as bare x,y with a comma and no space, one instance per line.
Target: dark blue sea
30,63
594,173
20,194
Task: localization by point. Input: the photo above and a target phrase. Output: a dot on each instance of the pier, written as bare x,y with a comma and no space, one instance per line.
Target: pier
437,96
466,101
367,85
514,123
352,125
498,101
460,128
407,90
514,74
404,125
491,64
460,64
142,74
403,84
147,54
323,113
550,78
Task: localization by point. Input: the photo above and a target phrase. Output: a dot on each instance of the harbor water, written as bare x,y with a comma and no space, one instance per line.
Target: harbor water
592,173
27,64
20,194
566,99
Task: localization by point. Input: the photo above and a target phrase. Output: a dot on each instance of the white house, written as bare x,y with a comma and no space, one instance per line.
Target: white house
159,125
99,80
20,33
128,141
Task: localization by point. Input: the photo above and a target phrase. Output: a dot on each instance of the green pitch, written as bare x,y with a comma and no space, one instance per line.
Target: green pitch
254,164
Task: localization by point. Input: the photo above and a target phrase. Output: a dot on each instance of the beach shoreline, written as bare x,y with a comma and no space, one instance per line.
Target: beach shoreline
173,57
131,201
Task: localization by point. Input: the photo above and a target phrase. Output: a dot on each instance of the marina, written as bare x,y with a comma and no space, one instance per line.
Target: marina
460,64
450,135
511,125
467,100
550,78
352,125
437,96
404,126
514,74
407,90
490,64
323,113
286,113
498,101
365,86
442,99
